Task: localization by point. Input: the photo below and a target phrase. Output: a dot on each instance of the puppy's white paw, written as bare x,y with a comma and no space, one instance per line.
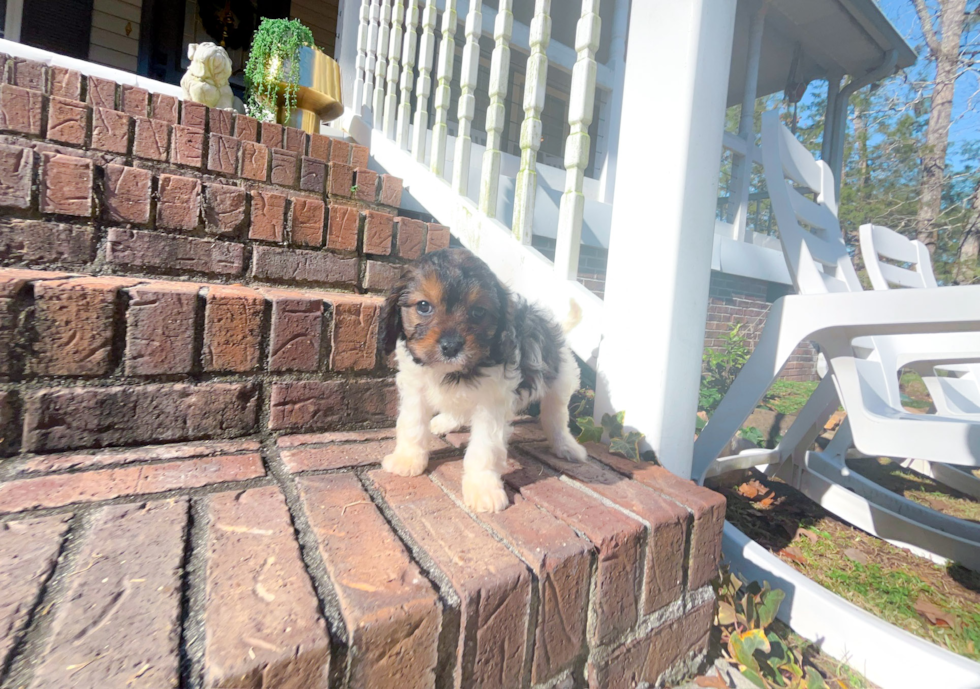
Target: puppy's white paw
483,491
442,424
405,462
569,448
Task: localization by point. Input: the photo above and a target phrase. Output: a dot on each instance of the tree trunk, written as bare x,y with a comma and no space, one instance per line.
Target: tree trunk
861,140
952,17
965,270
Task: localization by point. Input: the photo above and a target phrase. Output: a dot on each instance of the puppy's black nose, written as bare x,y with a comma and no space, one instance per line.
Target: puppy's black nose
451,344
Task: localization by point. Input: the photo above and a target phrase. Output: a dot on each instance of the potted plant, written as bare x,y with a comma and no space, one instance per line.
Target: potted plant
288,79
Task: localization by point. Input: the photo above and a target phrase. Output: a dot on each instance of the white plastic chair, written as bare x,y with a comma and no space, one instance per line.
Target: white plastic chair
856,331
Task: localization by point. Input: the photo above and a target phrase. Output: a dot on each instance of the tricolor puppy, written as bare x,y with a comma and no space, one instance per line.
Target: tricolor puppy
471,353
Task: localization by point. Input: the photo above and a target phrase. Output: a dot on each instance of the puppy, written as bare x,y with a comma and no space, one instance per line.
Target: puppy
471,353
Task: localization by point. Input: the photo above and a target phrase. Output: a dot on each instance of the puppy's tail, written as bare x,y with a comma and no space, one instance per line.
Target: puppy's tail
573,318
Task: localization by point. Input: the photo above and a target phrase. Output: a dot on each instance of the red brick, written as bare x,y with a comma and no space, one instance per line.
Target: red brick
151,139
65,83
411,237
354,341
246,128
664,569
646,659
166,252
284,167
271,134
110,130
337,437
358,156
115,457
8,417
297,331
66,186
338,455
16,176
58,490
165,108
391,191
378,232
306,222
339,152
187,147
342,227
294,265
36,242
493,586
391,610
101,93
71,418
160,328
74,321
262,622
134,100
366,183
298,405
372,401
233,322
127,194
313,175
28,553
706,506
561,562
220,121
224,209
294,140
67,121
320,147
123,602
193,115
268,216
436,237
223,154
381,276
179,203
618,540
27,74
340,179
20,110
255,161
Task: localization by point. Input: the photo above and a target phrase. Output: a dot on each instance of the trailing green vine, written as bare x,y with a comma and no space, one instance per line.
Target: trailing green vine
275,49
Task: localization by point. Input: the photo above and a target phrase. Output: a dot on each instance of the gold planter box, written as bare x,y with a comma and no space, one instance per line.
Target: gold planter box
319,98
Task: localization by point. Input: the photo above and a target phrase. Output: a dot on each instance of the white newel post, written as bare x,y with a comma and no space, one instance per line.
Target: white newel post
381,69
581,104
659,268
363,27
447,54
394,55
408,75
424,88
372,56
535,84
503,28
467,101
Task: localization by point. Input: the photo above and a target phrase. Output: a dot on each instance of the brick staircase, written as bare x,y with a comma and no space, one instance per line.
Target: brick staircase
193,406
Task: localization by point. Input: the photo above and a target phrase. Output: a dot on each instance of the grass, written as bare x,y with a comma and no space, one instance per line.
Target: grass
919,488
788,397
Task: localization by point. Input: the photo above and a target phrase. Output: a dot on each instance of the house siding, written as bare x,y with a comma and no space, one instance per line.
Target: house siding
110,43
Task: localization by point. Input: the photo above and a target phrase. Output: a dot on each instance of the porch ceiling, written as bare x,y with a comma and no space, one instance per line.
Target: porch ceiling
848,37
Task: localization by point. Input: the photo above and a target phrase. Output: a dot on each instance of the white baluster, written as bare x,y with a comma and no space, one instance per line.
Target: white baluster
467,101
447,53
503,28
424,89
534,91
408,66
581,104
394,55
382,67
363,28
372,54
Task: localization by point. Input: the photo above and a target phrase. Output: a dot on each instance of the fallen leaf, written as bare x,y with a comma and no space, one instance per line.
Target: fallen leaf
794,554
856,555
834,421
809,535
931,612
713,681
752,489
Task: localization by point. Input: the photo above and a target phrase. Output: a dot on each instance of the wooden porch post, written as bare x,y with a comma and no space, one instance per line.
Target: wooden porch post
676,81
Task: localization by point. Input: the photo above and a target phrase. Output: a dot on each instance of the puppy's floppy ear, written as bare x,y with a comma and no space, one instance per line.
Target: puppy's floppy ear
391,314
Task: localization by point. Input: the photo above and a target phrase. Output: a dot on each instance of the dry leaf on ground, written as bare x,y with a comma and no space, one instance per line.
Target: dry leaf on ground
794,554
856,555
809,535
752,489
934,614
714,681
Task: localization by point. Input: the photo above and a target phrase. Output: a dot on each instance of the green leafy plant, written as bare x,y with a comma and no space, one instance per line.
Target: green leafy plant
753,435
718,369
744,615
621,442
273,59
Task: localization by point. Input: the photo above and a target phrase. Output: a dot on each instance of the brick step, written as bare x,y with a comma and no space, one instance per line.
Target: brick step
228,562
94,361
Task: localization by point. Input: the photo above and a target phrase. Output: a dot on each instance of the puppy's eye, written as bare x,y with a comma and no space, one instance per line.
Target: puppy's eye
424,308
477,313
